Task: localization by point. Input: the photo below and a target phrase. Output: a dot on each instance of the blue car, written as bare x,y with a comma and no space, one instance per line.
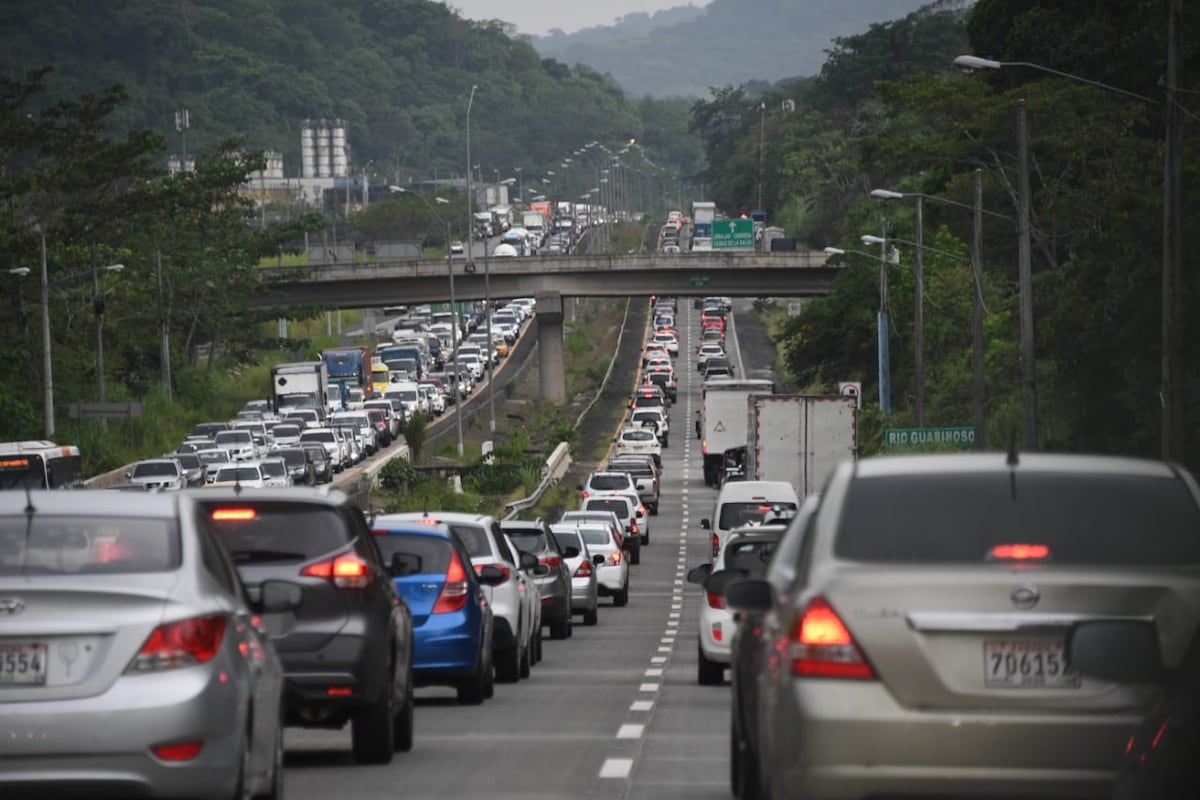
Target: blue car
452,622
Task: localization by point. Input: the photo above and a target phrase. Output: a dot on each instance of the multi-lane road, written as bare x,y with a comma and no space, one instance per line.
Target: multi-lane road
614,711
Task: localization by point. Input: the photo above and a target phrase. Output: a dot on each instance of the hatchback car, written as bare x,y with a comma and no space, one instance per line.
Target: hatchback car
347,649
452,621
131,664
533,537
644,474
639,440
584,589
923,641
608,559
630,511
656,417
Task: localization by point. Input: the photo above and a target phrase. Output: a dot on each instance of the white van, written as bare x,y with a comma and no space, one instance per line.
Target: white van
742,503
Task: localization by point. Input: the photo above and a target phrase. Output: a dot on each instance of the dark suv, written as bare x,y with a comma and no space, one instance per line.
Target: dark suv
534,537
347,650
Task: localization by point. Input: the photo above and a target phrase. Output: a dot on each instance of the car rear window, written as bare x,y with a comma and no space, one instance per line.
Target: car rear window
277,532
433,555
1112,520
56,545
474,538
606,482
618,507
595,536
751,556
529,541
736,515
566,540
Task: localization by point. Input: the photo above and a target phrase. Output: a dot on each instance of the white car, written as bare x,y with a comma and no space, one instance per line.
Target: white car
409,394
157,473
516,603
638,439
338,456
361,426
744,554
286,434
247,476
275,472
656,415
434,400
239,444
706,352
584,588
668,340
612,568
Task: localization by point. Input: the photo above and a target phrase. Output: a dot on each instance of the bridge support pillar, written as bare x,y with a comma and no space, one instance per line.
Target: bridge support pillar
552,380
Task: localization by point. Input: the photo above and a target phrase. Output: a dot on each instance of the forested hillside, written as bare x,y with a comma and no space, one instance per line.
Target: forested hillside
398,71
727,42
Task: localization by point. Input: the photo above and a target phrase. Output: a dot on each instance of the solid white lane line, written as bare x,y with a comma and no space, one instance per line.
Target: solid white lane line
616,768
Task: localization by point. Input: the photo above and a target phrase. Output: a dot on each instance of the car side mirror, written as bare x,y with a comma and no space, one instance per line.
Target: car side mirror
1113,650
490,575
704,523
276,596
570,551
749,595
699,574
598,560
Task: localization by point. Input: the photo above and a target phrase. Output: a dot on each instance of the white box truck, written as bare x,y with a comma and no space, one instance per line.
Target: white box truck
723,421
299,384
799,438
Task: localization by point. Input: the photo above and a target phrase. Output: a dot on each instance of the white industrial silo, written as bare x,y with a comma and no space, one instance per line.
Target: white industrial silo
324,167
338,151
308,150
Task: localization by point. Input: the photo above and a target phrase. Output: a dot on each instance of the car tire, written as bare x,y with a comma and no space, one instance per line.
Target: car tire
743,769
591,617
653,510
621,596
508,665
526,661
473,690
372,734
275,792
709,673
666,442
402,723
560,630
536,648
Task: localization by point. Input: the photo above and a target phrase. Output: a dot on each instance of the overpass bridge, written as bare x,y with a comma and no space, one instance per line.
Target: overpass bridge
548,279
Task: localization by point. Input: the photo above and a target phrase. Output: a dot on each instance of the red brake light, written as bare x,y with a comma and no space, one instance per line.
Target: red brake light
507,572
1020,552
454,591
615,557
178,751
584,570
346,571
585,494
180,644
716,545
715,600
233,514
552,562
822,646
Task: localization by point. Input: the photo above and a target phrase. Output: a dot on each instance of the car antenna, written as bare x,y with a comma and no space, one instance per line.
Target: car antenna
1013,458
29,507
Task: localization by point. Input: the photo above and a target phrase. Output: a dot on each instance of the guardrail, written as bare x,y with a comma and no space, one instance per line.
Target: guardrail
361,480
556,466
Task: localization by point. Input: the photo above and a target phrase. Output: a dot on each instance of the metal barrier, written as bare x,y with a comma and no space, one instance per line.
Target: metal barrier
556,466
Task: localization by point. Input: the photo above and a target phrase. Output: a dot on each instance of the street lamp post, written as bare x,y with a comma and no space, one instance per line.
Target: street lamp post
1171,389
458,398
98,302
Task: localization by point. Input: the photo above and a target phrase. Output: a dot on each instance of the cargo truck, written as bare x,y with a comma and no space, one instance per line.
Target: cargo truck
723,421
703,214
799,438
299,384
348,367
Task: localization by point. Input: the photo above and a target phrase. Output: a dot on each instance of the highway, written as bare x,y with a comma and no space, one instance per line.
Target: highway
614,711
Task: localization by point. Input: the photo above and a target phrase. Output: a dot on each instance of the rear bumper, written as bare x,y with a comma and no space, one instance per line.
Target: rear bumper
843,739
583,594
351,665
446,644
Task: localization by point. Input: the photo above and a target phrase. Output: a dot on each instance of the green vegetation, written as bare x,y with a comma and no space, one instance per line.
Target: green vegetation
889,110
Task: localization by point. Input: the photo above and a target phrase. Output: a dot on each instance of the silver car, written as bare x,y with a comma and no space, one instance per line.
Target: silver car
585,591
923,648
157,473
130,661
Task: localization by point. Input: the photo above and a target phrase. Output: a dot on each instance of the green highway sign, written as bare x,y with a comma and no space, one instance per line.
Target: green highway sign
698,280
733,234
916,437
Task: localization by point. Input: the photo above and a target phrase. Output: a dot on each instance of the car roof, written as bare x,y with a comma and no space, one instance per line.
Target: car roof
443,516
320,495
936,463
90,503
434,530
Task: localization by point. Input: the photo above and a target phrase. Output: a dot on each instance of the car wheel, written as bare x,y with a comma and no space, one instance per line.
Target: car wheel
654,510
560,630
526,660
591,617
666,442
508,665
709,673
743,769
275,792
635,556
473,690
372,735
621,596
241,791
402,723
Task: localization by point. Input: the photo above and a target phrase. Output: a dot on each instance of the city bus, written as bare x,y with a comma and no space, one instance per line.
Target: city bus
40,465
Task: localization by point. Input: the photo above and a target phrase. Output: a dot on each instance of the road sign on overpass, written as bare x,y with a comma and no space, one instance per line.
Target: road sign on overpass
733,234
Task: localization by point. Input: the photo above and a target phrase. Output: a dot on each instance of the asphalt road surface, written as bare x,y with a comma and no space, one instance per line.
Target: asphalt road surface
613,711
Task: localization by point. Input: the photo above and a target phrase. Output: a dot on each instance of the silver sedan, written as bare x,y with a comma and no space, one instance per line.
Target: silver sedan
130,663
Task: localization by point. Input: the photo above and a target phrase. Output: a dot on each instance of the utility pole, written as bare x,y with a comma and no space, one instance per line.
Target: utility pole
918,317
762,139
47,361
163,332
98,311
977,394
881,319
1025,281
1171,392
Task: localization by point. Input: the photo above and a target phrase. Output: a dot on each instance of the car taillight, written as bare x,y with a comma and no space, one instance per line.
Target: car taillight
454,591
1020,552
584,570
654,483
615,557
822,646
634,527
716,545
180,644
346,571
507,572
585,494
715,600
552,562
704,447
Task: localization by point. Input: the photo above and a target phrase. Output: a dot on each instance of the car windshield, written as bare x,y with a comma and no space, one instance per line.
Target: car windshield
148,469
474,539
736,515
62,545
233,437
318,436
1108,520
240,474
606,482
265,532
293,458
273,469
286,431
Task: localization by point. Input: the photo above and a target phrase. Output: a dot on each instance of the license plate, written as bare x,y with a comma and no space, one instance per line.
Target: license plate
1028,665
23,664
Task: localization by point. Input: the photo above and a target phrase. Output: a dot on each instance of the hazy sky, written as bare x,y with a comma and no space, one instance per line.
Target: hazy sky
539,16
